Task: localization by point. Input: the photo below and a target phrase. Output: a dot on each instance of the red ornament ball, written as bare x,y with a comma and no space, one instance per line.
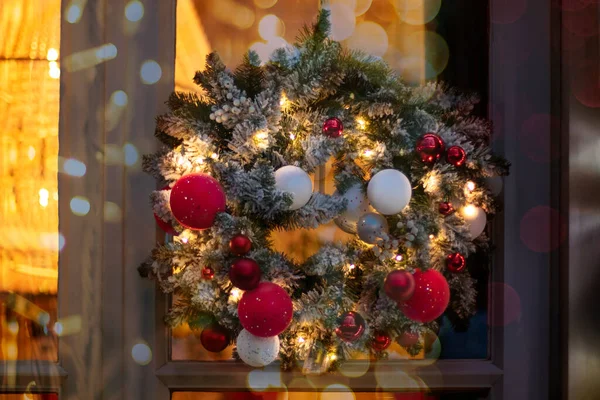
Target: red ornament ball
430,298
215,338
455,262
196,199
381,341
351,327
164,225
430,148
245,274
408,339
208,273
266,311
445,208
333,127
456,156
240,245
399,285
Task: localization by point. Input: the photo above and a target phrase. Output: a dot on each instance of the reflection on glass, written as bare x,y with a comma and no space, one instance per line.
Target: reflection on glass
29,239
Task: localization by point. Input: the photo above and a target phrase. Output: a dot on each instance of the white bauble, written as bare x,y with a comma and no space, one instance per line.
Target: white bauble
296,182
475,218
389,191
357,205
257,351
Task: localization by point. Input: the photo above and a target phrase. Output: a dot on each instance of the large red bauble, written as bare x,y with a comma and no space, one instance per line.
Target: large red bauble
245,274
456,156
381,341
240,245
399,285
333,127
196,199
351,326
164,225
430,298
430,148
215,338
266,311
455,262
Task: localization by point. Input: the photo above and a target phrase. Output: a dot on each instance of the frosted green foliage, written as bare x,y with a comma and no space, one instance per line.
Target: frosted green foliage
246,123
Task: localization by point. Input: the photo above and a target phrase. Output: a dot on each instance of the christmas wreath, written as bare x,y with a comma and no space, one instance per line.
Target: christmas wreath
412,170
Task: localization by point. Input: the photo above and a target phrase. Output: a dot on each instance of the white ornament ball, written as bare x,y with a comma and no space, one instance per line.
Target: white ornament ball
389,191
295,181
357,205
475,218
257,351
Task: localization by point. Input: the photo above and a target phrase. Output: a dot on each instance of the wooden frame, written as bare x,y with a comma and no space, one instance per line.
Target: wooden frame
98,277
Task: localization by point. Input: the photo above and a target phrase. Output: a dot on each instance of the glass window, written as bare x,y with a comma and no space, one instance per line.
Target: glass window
29,240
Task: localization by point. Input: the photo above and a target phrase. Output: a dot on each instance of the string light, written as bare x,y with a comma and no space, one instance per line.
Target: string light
351,267
235,294
332,356
301,339
292,136
214,156
368,153
283,101
398,257
469,210
470,186
362,124
431,236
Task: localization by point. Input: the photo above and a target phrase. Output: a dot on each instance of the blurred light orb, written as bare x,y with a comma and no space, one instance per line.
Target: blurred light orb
58,328
112,212
354,368
74,167
243,17
13,327
265,3
141,353
106,52
532,137
150,72
53,70
586,84
543,229
134,11
260,380
131,154
507,307
119,98
337,392
362,6
61,242
52,54
270,27
343,21
73,14
80,206
437,53
262,49
390,377
369,37
418,12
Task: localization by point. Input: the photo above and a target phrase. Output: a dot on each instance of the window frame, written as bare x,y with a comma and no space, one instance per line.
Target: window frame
97,268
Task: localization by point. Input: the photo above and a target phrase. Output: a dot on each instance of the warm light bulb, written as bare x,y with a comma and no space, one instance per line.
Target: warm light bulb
292,136
283,101
398,257
361,123
214,156
470,186
368,153
301,339
236,294
52,54
469,210
431,236
351,267
332,356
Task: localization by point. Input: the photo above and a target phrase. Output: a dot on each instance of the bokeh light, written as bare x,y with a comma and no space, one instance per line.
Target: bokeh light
534,139
390,376
543,229
362,6
106,52
112,212
417,12
131,154
343,21
337,392
259,380
270,27
119,98
355,367
52,54
507,11
505,305
150,72
370,38
53,70
383,11
586,84
141,353
437,54
80,205
43,197
134,11
265,3
73,13
74,167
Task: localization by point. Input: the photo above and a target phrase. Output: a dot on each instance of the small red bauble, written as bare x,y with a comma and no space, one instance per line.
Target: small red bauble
351,326
430,298
445,208
399,285
245,274
456,156
455,262
265,311
164,225
215,338
208,273
408,339
240,245
430,148
196,199
333,128
381,341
